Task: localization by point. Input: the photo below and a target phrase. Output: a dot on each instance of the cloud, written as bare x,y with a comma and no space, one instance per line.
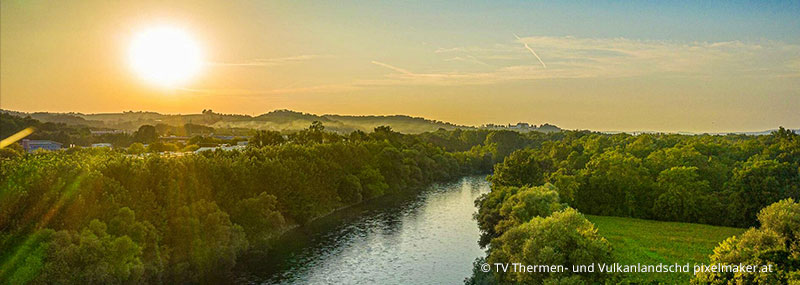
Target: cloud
468,59
405,76
325,88
272,61
573,57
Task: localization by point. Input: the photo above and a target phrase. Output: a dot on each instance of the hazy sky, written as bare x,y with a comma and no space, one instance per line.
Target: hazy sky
658,65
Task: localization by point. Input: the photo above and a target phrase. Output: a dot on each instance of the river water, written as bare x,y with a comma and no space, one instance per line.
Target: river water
428,237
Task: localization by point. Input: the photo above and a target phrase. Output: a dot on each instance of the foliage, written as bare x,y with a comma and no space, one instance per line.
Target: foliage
265,138
564,238
719,180
146,134
775,244
507,207
104,216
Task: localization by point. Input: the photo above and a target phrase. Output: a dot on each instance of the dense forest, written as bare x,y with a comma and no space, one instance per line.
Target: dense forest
124,215
532,213
102,215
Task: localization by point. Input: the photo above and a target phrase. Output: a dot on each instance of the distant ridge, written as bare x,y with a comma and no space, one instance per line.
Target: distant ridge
279,120
755,133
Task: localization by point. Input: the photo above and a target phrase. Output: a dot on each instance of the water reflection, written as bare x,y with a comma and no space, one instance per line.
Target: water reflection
423,238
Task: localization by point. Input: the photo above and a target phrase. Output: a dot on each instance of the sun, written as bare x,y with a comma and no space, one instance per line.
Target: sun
165,56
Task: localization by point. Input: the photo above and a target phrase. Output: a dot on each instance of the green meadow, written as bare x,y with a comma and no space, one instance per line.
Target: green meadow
653,242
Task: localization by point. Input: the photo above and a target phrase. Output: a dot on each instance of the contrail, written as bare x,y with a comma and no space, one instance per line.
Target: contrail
403,71
531,50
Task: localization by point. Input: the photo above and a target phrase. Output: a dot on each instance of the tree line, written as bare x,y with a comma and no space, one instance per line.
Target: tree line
531,215
108,216
717,180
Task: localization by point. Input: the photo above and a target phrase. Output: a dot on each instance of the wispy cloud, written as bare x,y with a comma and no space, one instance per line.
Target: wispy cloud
406,76
568,57
324,88
468,59
272,61
573,57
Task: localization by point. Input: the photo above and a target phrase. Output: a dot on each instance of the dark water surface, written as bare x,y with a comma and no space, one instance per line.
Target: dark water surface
427,237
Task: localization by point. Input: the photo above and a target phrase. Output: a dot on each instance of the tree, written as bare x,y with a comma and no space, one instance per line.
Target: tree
204,243
523,167
314,134
760,182
565,238
12,151
680,195
161,147
527,203
136,148
264,138
504,142
259,217
614,183
146,134
776,244
92,256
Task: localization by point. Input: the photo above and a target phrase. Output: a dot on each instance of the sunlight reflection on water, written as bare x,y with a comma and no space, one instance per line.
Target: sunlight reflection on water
425,238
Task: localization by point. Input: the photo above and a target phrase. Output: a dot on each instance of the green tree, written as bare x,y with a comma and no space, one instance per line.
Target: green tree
146,134
265,138
92,256
259,217
680,193
614,183
760,182
204,243
527,203
775,244
136,148
504,143
564,238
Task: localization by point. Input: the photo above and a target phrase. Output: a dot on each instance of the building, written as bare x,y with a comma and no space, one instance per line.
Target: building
223,147
101,145
33,145
106,132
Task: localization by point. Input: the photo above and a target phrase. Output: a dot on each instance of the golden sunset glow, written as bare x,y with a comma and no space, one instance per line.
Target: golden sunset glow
165,56
482,63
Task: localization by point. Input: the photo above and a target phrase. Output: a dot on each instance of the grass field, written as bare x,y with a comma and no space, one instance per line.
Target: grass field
652,242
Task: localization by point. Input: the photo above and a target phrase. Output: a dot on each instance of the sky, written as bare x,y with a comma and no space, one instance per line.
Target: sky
696,66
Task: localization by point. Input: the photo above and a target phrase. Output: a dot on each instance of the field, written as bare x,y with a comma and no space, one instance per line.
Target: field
652,242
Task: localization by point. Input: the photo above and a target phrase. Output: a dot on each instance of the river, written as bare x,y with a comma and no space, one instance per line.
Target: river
427,237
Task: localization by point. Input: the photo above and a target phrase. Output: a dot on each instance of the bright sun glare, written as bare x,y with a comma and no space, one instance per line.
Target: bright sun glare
165,56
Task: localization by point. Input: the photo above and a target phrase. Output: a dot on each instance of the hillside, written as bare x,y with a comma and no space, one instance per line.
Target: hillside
278,120
652,242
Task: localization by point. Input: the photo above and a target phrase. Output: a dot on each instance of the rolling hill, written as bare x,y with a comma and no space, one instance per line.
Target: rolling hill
278,120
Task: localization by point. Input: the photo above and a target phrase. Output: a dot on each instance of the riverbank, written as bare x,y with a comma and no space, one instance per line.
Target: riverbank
427,236
276,237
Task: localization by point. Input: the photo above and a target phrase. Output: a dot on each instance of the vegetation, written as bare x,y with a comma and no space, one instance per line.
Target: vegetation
718,180
115,216
530,226
653,242
230,124
776,244
123,216
564,238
